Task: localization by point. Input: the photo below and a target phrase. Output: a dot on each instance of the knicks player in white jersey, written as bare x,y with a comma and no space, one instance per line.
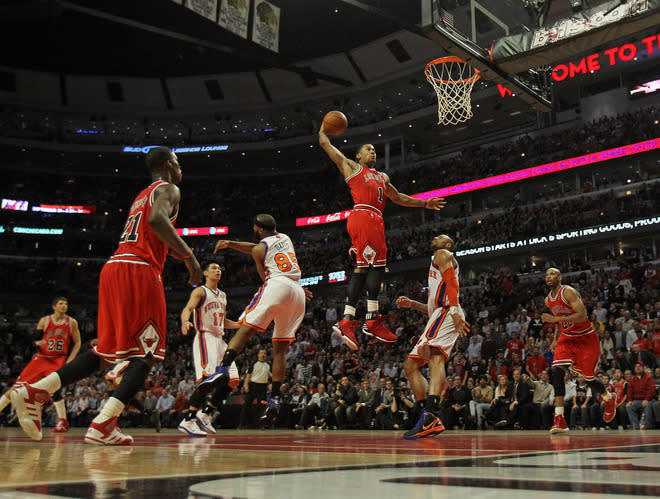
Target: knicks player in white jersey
207,307
280,298
446,323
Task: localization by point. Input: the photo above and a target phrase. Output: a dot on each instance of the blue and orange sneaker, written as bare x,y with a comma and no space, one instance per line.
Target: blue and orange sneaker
428,425
270,414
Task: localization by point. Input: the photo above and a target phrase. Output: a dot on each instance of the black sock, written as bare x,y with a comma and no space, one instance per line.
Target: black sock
196,401
84,365
276,389
230,356
433,403
132,380
421,403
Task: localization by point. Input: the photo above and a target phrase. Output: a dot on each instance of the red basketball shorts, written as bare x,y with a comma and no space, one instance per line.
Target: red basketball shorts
40,367
132,313
367,231
581,353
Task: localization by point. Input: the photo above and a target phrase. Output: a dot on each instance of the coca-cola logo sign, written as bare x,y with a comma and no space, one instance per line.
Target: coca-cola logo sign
323,219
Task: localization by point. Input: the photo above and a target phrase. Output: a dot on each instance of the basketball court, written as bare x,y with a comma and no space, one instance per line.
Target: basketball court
327,464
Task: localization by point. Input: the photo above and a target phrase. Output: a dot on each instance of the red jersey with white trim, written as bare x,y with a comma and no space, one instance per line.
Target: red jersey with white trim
560,307
367,188
210,313
280,259
620,388
438,288
57,336
139,243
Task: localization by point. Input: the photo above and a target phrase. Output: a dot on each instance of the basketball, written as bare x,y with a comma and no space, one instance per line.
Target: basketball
335,123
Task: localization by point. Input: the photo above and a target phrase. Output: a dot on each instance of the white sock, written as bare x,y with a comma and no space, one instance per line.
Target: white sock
559,410
4,402
112,408
60,408
348,310
50,383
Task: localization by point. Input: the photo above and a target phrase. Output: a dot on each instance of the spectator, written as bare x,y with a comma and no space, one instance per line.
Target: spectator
457,404
543,400
482,396
641,391
164,406
535,363
364,407
580,406
346,397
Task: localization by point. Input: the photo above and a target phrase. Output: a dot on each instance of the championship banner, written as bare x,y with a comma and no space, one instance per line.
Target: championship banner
234,15
266,25
206,8
581,32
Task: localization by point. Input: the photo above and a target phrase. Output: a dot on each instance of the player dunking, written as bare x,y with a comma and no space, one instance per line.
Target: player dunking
132,314
207,305
370,190
58,332
281,299
576,346
446,323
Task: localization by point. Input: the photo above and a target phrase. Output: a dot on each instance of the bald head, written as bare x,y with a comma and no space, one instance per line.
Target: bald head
442,241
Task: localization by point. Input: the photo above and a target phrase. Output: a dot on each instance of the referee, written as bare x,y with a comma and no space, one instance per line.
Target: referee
256,388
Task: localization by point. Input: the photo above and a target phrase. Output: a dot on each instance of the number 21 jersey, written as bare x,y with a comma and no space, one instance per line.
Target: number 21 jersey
138,242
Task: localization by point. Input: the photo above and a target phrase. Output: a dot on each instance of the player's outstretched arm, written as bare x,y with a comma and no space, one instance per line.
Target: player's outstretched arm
166,199
230,324
404,200
405,302
346,166
195,299
243,247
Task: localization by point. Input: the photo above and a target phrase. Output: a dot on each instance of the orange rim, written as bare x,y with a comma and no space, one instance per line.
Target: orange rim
447,60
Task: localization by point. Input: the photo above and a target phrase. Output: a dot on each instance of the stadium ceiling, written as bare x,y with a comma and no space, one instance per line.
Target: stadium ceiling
160,38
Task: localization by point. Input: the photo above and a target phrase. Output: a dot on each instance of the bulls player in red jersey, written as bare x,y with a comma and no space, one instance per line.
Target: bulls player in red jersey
370,190
59,345
576,346
132,314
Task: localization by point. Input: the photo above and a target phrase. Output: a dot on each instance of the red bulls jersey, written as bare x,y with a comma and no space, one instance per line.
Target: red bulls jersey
57,336
138,243
560,307
367,188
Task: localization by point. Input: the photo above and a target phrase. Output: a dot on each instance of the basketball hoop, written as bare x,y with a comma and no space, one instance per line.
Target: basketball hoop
452,79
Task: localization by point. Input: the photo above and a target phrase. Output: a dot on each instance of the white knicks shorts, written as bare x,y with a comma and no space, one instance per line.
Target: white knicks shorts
208,351
281,300
439,333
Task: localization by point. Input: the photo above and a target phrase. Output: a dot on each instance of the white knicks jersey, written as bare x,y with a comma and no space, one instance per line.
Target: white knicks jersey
280,258
210,313
437,288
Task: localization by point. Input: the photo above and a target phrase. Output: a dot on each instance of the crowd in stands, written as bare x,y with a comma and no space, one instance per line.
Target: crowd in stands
328,386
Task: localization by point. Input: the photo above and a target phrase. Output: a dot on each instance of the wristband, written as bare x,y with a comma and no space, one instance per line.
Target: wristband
453,309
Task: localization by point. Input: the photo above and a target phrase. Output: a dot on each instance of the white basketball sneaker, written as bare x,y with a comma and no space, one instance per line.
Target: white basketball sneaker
107,433
28,401
205,422
191,428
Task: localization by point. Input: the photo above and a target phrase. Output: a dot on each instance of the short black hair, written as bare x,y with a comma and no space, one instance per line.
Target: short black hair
59,298
265,221
156,157
211,262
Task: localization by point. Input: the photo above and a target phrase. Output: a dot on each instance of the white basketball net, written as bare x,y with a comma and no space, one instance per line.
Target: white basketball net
452,80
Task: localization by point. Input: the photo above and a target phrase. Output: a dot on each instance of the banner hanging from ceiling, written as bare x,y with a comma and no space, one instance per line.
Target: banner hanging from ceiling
266,25
206,8
234,15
